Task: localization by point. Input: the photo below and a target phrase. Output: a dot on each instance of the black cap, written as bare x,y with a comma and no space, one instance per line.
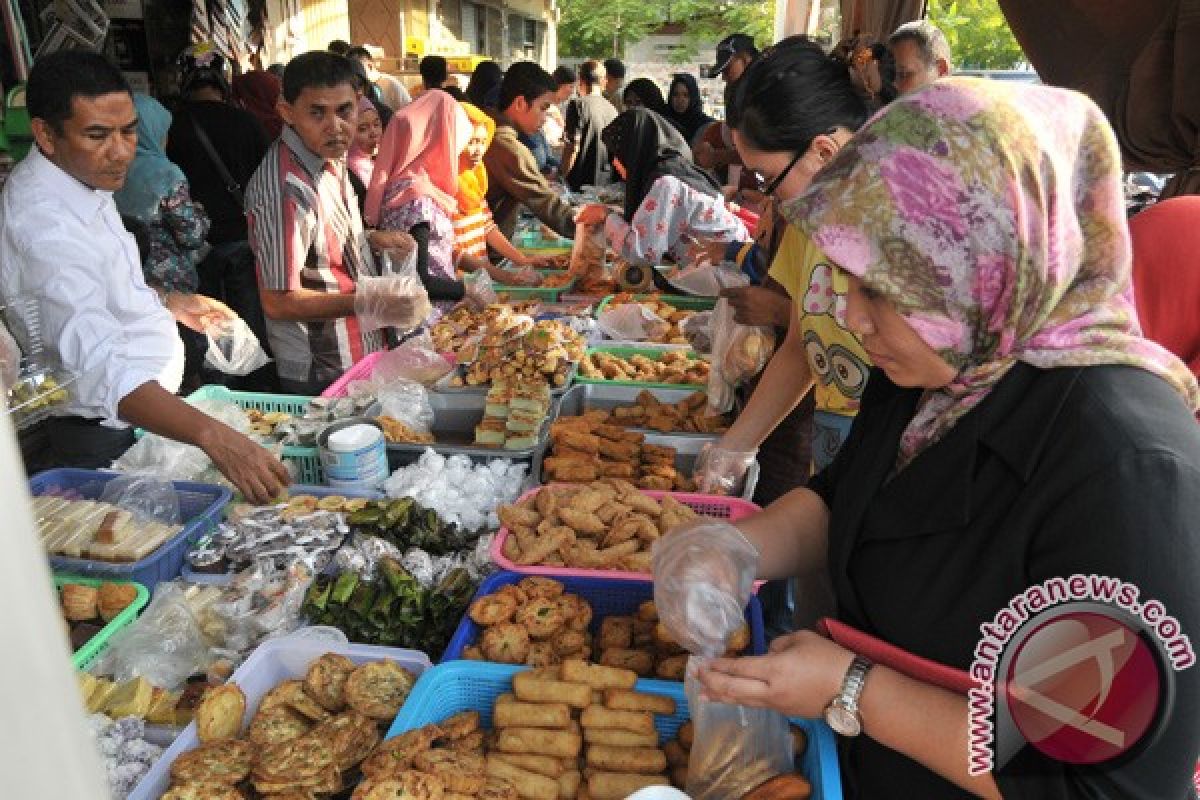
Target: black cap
729,47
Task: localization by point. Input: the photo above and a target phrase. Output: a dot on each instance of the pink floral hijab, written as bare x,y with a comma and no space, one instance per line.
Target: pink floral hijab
992,216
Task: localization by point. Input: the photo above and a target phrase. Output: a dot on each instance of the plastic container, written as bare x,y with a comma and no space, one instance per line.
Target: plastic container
609,597
474,686
455,415
360,465
274,661
609,395
730,508
200,506
306,460
649,352
85,655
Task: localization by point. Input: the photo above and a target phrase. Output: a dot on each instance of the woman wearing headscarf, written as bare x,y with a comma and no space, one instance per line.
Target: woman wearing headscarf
483,90
685,106
667,197
1018,430
258,92
361,156
644,93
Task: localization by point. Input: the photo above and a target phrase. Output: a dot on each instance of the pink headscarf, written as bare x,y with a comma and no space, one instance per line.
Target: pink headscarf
422,143
359,160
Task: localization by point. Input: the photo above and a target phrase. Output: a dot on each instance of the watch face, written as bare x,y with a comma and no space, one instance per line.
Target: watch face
842,721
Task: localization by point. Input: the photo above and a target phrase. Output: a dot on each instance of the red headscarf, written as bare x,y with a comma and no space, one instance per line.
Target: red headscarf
1166,275
258,91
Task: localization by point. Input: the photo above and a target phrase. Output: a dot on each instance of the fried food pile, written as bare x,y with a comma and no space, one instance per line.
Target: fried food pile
582,450
539,353
674,317
671,366
397,432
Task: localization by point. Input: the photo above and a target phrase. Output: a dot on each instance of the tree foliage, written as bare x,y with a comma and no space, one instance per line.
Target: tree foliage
594,27
979,35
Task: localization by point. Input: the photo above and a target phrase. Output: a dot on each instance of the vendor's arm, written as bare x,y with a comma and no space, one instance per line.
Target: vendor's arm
305,304
514,171
671,209
439,288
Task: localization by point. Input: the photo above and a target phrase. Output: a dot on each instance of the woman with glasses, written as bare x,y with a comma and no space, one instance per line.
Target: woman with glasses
668,199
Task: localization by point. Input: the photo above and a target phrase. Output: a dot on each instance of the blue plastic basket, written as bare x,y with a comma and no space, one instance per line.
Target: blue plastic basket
474,686
608,597
200,506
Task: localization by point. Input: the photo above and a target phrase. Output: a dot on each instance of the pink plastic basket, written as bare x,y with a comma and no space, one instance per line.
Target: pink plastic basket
730,508
362,372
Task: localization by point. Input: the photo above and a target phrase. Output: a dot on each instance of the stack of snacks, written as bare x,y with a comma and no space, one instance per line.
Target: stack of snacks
132,698
453,330
97,530
87,609
689,415
678,753
582,449
671,366
608,524
513,417
674,317
525,353
397,432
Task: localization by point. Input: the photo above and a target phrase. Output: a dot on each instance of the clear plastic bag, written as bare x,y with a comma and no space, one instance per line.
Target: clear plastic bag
395,299
481,292
722,471
698,330
409,403
700,280
739,351
632,322
144,495
164,645
233,348
415,360
587,252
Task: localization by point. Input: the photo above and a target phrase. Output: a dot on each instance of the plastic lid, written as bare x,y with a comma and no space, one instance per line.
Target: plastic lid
320,633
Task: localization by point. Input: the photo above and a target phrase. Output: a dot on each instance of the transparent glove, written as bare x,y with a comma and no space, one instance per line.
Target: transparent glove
527,276
390,301
722,471
703,574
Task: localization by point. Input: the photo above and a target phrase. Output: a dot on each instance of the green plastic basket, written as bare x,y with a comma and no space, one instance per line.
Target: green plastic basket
551,294
627,352
681,301
306,459
85,655
532,240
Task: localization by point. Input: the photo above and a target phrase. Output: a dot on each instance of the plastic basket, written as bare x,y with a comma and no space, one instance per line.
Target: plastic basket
608,597
85,655
306,459
681,301
274,661
654,354
200,505
730,508
474,686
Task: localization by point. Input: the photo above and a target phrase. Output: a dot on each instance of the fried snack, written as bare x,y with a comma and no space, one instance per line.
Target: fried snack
351,736
471,743
672,668
276,724
577,440
292,695
536,586
533,689
570,641
226,762
507,644
739,640
561,743
113,598
305,763
618,786
529,785
495,788
464,723
551,541
638,562
799,741
601,717
626,700
643,760
542,654
460,772
379,688
325,680
619,738
676,755
576,611
639,661
568,783
219,715
615,632
399,753
582,521
515,714
549,766
203,791
406,785
686,734
493,609
541,617
598,676
514,516
79,602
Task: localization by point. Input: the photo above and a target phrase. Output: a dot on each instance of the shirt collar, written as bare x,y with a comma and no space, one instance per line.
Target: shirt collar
80,199
312,162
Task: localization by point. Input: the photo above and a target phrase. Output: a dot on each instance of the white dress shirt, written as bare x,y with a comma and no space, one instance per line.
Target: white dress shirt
63,245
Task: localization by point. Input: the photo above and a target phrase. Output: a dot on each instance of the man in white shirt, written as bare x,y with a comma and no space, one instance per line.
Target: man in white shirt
64,250
392,91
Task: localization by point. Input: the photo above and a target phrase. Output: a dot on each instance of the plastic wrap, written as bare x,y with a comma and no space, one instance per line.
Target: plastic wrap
739,351
700,280
164,645
722,471
481,292
415,360
144,495
698,330
632,322
587,253
233,348
407,402
395,299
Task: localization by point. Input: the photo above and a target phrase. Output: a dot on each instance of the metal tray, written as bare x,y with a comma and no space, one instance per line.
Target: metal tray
455,415
586,396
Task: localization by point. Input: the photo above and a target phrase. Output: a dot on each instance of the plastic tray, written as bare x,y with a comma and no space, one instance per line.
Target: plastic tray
455,416
200,505
306,459
474,686
649,352
85,655
609,395
681,301
608,597
730,508
274,661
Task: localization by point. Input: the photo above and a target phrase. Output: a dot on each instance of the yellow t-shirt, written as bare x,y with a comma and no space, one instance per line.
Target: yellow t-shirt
818,293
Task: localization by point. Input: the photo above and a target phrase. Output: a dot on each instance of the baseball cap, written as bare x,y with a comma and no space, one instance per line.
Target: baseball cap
729,47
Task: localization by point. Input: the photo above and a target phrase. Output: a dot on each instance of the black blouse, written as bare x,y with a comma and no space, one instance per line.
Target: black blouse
1090,470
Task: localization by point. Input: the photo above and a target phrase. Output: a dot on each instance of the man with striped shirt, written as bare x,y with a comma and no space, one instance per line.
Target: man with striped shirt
315,266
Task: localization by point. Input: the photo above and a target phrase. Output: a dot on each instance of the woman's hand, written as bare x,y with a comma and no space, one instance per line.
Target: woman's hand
197,311
800,675
755,305
592,214
391,240
257,474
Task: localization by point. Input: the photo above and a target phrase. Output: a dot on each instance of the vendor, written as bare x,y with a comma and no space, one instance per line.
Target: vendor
1018,429
667,198
62,245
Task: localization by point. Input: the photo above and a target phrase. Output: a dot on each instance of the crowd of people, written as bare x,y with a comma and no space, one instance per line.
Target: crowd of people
962,402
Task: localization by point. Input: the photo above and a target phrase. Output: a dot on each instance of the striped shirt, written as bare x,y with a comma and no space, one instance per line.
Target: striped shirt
306,233
471,230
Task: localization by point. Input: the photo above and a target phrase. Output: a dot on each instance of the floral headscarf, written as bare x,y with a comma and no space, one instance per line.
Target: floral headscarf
992,217
152,176
473,182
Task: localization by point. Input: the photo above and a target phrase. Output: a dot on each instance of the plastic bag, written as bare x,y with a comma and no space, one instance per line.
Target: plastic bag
395,299
415,360
739,351
144,495
233,348
481,291
698,330
721,471
699,280
164,645
587,253
632,322
409,403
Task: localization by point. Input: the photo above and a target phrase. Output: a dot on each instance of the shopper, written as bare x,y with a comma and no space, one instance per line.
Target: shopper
644,93
614,79
584,160
62,245
390,90
1166,275
513,177
483,90
314,258
715,151
435,72
367,135
1018,429
258,92
921,53
685,107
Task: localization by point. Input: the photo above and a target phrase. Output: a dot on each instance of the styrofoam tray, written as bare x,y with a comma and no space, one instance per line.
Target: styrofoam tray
275,661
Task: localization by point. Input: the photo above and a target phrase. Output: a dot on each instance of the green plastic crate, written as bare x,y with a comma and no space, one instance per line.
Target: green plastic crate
532,240
653,355
85,655
306,459
681,301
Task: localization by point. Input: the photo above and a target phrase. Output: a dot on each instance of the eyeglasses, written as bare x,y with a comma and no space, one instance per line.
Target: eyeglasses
769,188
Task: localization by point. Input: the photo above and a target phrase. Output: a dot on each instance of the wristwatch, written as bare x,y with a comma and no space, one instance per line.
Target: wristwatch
842,712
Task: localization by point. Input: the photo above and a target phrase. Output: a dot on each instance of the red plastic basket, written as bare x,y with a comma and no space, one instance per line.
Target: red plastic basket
362,372
730,508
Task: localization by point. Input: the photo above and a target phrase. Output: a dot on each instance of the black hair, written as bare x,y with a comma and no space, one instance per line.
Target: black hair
434,71
316,69
563,76
338,46
485,80
60,77
648,92
359,52
791,94
453,91
591,72
614,68
276,69
525,79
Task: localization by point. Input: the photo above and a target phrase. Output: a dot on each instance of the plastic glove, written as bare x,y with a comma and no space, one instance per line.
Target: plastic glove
703,573
480,291
528,276
390,301
719,470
